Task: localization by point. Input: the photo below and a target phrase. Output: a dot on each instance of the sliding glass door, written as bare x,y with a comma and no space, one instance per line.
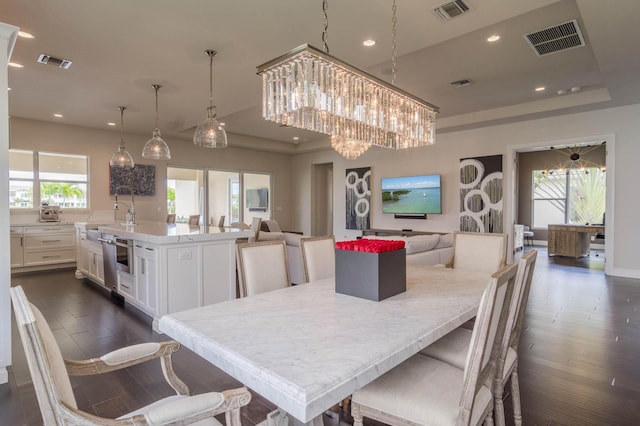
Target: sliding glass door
185,193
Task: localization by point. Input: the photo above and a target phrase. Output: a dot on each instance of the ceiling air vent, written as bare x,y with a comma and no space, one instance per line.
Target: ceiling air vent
554,39
461,83
451,10
43,58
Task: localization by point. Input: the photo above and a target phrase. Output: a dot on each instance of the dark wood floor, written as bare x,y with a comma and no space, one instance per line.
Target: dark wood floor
579,353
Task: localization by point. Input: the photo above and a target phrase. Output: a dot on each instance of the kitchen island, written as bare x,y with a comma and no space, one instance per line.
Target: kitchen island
173,267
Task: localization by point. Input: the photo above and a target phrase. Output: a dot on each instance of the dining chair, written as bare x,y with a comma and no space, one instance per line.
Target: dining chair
50,374
318,257
255,228
427,391
194,220
451,347
221,221
528,235
262,267
475,251
239,225
171,218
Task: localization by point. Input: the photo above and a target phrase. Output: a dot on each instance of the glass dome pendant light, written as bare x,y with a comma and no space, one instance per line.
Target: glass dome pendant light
121,158
156,148
209,133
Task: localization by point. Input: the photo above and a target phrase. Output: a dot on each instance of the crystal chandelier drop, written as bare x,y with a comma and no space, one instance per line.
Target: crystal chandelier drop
121,158
349,148
209,133
156,148
312,90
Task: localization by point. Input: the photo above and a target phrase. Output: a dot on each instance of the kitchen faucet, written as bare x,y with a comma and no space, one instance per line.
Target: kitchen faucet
131,210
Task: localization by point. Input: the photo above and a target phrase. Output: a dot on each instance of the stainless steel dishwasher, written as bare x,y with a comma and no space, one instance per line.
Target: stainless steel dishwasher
117,256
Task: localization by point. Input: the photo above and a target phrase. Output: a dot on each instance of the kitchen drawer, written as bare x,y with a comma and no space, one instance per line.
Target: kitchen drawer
57,229
50,240
16,230
43,257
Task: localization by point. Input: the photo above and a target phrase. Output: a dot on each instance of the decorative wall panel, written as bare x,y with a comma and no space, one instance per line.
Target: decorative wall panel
141,178
358,201
481,194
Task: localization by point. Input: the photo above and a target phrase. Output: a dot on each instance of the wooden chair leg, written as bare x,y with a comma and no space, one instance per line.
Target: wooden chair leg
345,405
515,396
498,404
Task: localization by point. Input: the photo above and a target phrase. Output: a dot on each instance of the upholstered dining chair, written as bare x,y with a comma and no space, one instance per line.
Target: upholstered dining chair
239,225
50,374
171,218
221,221
427,391
262,267
255,228
474,251
318,257
194,220
451,348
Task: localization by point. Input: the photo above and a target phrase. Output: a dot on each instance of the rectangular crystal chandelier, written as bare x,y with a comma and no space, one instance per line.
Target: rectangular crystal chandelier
312,90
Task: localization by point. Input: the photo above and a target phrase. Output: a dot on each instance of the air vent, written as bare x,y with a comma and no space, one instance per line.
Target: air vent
555,39
461,83
451,10
48,59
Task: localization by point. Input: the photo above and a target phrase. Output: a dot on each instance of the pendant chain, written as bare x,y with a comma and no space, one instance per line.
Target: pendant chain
325,20
394,65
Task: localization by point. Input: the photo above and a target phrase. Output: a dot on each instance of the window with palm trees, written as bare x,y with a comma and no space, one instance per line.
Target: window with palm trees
573,196
37,178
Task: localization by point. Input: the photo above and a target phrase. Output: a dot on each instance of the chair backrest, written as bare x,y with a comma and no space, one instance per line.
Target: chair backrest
194,219
318,257
262,267
171,218
239,225
221,221
486,339
480,252
46,365
255,227
272,226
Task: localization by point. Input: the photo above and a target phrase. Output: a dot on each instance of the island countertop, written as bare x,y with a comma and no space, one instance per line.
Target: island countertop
170,233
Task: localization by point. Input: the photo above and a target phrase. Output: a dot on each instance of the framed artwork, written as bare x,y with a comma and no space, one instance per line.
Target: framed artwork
140,177
358,197
481,194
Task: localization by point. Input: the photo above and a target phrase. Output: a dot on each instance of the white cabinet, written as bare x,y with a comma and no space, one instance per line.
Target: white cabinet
17,258
145,269
89,258
43,246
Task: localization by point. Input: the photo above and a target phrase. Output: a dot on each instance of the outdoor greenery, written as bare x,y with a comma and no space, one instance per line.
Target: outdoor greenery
52,192
394,195
171,201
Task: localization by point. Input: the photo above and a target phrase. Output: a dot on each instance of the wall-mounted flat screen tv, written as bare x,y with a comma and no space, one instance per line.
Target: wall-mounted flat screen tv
257,199
412,195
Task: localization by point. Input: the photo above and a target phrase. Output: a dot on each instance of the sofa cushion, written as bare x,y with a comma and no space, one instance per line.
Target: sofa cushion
418,243
445,241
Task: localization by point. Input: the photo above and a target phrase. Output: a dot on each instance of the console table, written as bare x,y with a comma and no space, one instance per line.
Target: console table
397,232
571,240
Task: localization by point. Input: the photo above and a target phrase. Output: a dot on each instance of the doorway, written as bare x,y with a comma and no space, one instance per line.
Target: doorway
322,199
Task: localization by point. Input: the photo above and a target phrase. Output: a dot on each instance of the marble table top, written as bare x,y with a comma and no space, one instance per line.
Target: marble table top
306,347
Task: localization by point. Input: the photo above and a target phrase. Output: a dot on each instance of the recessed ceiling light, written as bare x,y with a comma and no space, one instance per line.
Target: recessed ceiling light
493,38
111,124
8,88
540,89
15,65
223,124
57,115
369,43
25,34
295,138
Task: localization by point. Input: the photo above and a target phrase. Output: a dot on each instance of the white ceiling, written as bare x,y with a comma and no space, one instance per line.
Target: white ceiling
120,48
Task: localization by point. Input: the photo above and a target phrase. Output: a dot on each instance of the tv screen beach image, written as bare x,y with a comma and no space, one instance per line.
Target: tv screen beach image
411,194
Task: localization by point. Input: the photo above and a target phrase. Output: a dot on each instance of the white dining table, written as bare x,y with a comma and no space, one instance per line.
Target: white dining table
306,347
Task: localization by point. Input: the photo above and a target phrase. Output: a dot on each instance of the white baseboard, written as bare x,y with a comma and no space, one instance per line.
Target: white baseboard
625,273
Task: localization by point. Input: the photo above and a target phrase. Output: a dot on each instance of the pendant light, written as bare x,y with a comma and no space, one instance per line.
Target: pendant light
209,133
156,148
121,158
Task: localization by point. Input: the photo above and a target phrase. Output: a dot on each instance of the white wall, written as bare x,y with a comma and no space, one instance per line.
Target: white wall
8,35
444,158
100,144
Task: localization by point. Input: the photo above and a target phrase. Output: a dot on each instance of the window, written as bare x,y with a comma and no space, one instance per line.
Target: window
576,196
55,179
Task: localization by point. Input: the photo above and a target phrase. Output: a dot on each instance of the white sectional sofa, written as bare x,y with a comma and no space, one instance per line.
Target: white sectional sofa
423,249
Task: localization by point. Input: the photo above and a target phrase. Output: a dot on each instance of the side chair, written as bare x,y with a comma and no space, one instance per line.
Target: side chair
451,348
477,251
318,257
427,391
50,374
262,267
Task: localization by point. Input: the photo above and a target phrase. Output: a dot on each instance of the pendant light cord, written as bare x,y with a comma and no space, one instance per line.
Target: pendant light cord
394,65
122,126
210,53
156,86
325,30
